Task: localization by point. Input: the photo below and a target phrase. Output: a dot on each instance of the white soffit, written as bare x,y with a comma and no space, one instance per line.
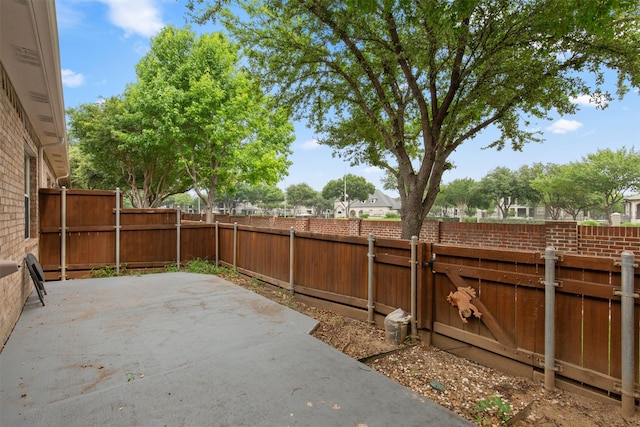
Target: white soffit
30,54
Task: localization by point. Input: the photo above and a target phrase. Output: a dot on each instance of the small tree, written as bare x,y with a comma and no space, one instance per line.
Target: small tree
320,204
459,193
612,173
502,187
564,188
265,196
348,189
300,195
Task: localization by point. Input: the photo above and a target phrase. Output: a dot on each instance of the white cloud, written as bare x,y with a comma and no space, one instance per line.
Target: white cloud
583,100
595,100
372,170
72,79
311,144
140,17
563,126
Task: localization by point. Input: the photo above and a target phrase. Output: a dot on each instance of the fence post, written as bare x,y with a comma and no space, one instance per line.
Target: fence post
371,256
414,284
178,239
217,246
549,317
118,230
235,244
627,296
292,233
63,234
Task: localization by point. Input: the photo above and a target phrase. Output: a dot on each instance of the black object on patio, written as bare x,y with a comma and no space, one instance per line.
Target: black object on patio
37,275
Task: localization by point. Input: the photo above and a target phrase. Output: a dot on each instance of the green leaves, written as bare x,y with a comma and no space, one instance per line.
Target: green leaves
401,84
193,118
222,127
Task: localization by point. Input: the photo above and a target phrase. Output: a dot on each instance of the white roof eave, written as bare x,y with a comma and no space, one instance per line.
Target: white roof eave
30,54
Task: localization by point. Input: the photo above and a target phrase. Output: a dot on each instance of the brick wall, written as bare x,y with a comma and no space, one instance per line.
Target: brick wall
564,236
381,229
329,226
608,241
15,288
504,236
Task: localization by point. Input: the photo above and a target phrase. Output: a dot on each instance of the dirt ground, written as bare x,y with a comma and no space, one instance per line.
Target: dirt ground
482,395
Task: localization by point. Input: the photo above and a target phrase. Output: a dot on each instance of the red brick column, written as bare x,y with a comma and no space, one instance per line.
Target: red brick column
354,226
430,231
562,235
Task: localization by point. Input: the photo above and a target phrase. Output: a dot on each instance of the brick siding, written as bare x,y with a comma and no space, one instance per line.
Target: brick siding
14,135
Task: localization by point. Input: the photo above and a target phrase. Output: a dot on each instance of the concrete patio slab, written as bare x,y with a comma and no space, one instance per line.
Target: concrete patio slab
181,349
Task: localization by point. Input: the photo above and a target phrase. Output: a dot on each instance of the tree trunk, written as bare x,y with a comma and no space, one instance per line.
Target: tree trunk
412,213
418,193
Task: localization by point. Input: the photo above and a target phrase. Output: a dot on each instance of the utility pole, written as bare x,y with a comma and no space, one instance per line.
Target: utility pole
346,196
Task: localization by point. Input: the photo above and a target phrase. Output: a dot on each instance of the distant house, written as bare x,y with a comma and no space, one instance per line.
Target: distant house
632,208
33,143
377,205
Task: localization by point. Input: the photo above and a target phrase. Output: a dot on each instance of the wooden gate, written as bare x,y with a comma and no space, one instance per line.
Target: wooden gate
510,297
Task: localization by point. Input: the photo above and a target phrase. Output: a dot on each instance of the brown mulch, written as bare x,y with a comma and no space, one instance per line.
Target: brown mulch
480,394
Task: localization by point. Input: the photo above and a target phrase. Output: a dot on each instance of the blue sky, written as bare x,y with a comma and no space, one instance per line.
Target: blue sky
102,40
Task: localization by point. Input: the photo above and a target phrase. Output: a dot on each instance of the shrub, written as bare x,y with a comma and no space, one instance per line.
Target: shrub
106,271
201,266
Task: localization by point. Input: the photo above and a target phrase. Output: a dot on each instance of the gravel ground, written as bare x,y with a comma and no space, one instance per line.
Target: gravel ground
480,394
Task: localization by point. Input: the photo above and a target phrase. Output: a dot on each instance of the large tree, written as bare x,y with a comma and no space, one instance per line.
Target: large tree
84,174
224,128
348,189
403,84
123,150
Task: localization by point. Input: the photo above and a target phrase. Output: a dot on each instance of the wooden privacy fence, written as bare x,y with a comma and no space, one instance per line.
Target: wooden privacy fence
93,232
579,336
586,320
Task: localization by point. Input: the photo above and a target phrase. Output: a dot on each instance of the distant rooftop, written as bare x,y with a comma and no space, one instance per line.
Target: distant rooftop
378,200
